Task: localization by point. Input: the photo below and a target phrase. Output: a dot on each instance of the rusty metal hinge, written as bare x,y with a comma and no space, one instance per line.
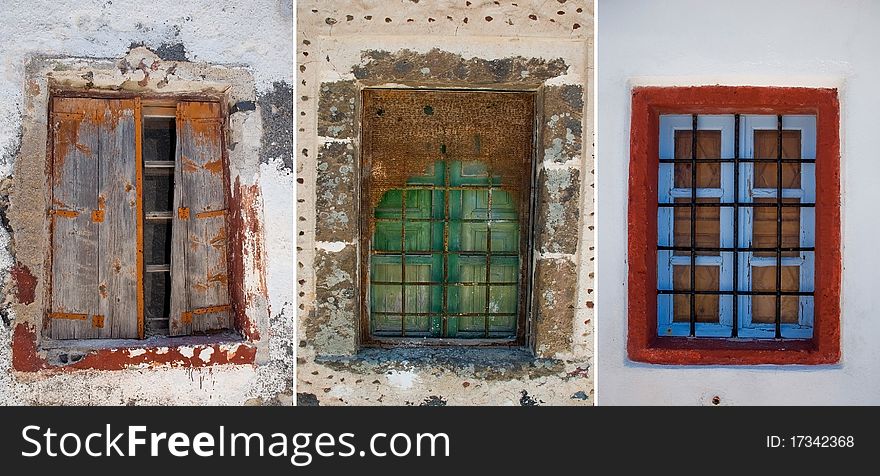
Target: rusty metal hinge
64,213
97,319
183,213
187,316
211,309
76,316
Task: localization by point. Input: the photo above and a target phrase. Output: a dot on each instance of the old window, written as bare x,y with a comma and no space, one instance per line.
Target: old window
727,267
447,191
138,218
744,252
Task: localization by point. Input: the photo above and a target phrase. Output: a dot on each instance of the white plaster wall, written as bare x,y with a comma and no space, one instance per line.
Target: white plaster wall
749,42
254,34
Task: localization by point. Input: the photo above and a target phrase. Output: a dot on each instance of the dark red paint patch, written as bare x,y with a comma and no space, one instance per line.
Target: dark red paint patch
241,202
26,358
25,283
648,103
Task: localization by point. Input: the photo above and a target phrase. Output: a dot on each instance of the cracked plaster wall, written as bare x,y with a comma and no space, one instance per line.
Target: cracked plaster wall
342,47
253,37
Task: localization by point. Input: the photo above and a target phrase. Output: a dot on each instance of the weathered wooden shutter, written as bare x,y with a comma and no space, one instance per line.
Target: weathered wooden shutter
94,219
199,291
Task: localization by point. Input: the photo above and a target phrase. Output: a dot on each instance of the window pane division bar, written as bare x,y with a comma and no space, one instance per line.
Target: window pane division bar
729,293
735,317
488,252
450,314
693,225
735,249
778,316
403,263
444,316
741,204
429,253
742,160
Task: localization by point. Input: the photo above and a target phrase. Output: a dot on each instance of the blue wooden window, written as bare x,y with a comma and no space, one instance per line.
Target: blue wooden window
445,258
736,226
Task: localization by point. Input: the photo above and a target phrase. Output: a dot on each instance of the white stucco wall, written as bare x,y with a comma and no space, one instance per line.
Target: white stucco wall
750,42
256,35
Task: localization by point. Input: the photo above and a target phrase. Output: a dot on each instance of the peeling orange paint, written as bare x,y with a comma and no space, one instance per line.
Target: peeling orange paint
218,278
188,164
214,166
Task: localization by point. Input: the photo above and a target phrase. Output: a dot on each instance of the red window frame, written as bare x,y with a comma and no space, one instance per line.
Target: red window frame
643,343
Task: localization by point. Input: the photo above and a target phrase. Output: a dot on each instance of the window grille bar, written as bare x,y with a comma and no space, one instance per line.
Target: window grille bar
439,283
778,316
403,263
736,249
429,253
447,315
742,204
439,220
730,293
693,224
446,223
735,317
739,160
488,253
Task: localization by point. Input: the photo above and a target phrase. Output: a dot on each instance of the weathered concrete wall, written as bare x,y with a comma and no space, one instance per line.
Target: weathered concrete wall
342,48
245,44
719,43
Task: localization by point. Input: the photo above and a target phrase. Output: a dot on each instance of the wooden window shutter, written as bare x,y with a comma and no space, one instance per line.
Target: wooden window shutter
199,289
94,215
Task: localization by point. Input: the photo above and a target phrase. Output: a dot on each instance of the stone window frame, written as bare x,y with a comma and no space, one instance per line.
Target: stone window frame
525,318
558,160
130,76
643,343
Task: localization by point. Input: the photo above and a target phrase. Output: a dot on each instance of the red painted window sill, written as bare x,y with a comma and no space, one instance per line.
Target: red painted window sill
171,352
643,343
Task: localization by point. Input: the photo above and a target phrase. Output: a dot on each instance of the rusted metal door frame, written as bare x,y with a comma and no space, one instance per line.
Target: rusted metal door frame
528,204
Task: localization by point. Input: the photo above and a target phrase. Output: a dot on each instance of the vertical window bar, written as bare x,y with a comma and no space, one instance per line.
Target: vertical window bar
446,222
778,313
693,287
488,252
403,263
735,318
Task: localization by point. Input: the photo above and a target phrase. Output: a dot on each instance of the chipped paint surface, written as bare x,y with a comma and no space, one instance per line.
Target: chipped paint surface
164,49
343,48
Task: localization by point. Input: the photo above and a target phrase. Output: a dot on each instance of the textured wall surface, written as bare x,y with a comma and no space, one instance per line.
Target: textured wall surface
343,47
790,43
250,38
